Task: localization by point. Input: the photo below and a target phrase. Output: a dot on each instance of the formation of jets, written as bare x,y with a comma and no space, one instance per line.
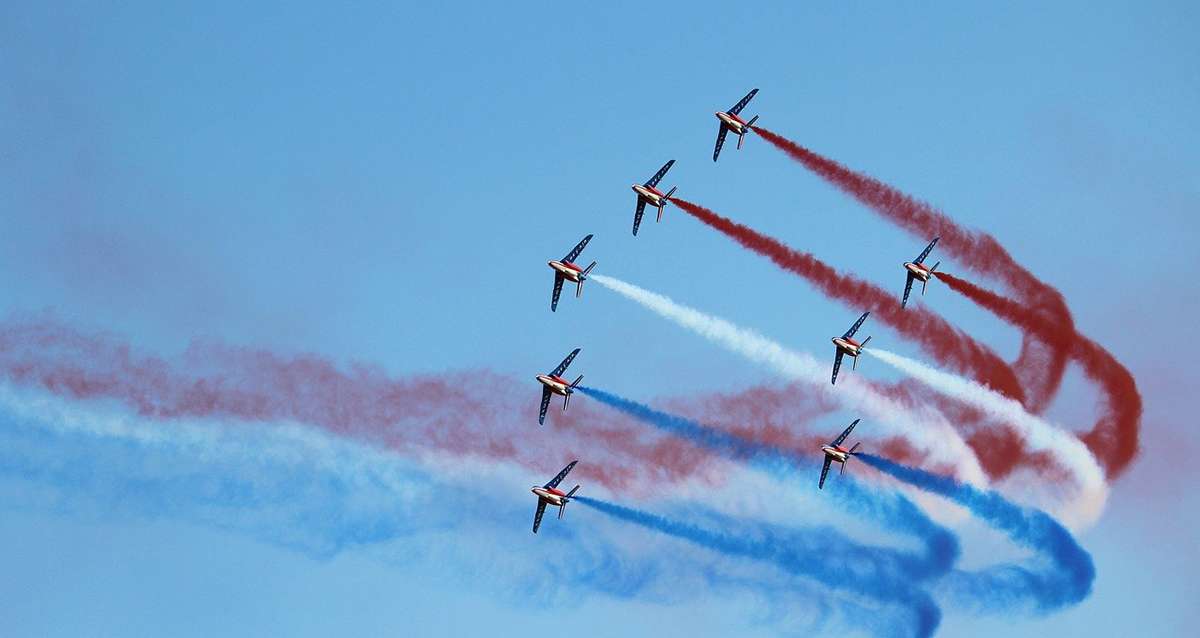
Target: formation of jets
648,193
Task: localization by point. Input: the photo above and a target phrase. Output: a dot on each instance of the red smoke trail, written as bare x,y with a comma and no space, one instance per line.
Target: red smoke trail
476,413
941,340
1114,438
1042,365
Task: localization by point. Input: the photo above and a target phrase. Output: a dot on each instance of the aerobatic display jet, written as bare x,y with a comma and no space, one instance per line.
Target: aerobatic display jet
549,494
731,122
835,452
847,346
917,270
553,383
566,269
648,194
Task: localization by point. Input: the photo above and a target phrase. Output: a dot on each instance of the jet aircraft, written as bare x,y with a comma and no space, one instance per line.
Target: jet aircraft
566,269
835,452
917,270
846,346
549,494
553,383
731,122
648,194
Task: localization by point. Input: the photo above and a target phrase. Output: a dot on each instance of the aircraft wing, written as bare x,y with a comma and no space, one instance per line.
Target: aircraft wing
820,484
577,249
721,132
562,367
561,475
837,365
737,108
846,433
537,516
558,282
853,329
659,175
907,289
925,253
545,405
637,214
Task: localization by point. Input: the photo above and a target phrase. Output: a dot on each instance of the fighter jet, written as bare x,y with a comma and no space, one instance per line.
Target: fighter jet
566,269
731,122
648,194
917,270
549,494
846,346
553,383
835,452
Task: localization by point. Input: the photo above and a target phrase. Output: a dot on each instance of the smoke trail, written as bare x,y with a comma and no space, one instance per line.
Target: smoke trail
813,554
1041,363
924,429
893,510
934,334
1037,433
1114,437
406,414
1071,572
322,495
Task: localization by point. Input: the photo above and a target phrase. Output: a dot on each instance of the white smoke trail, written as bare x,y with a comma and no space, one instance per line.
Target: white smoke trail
1038,433
925,428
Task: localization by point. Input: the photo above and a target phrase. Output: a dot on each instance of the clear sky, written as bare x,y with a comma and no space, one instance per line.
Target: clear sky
385,183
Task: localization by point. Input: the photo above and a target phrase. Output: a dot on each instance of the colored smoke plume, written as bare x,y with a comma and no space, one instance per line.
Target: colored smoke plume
935,335
1114,437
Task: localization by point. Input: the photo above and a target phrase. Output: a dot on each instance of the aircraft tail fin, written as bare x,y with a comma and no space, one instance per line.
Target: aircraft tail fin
572,492
587,271
855,447
670,192
575,383
566,401
934,269
864,343
752,121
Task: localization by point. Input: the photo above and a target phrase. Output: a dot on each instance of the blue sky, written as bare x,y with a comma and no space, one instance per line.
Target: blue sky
385,184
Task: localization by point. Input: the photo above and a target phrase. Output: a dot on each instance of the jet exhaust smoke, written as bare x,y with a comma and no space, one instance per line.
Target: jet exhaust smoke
1068,581
935,335
924,428
1037,433
1042,362
822,554
1114,437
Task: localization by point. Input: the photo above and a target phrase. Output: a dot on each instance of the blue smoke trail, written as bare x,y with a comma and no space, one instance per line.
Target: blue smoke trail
1068,576
822,554
889,508
320,496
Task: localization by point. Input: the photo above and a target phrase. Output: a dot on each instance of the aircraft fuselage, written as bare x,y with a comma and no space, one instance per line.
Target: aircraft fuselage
551,495
836,453
557,385
652,195
568,270
849,347
732,122
918,270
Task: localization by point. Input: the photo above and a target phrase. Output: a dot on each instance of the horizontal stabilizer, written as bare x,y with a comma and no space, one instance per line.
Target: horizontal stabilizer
752,121
577,380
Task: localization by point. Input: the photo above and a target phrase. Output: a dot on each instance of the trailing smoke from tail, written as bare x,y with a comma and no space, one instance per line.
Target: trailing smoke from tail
821,554
1114,437
1068,579
1036,432
319,494
934,334
1042,364
925,429
893,510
